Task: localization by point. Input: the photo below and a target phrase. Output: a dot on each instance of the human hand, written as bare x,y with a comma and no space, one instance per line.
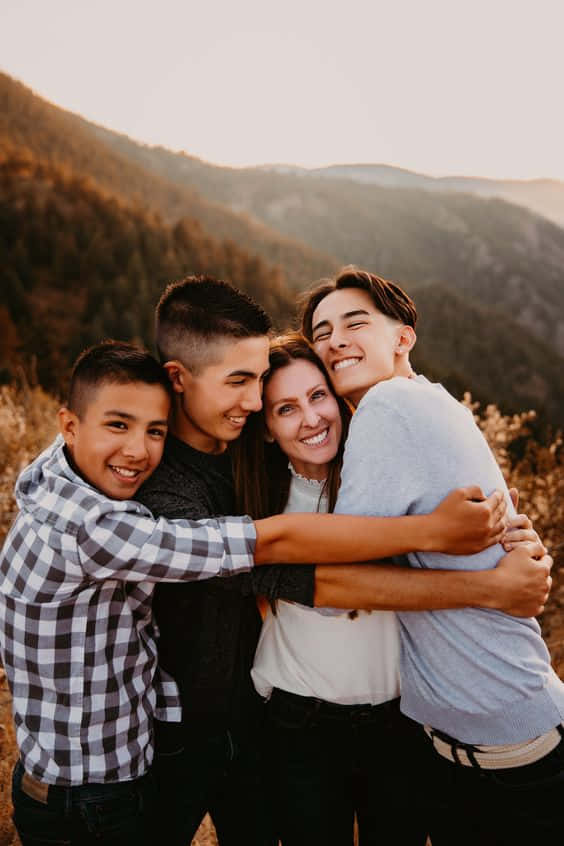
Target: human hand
466,521
519,530
522,580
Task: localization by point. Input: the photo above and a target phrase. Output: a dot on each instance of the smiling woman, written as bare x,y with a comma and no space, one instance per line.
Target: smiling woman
303,417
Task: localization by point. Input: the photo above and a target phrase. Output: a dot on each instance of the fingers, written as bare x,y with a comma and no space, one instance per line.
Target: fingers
499,512
534,548
547,560
474,492
520,521
512,537
514,494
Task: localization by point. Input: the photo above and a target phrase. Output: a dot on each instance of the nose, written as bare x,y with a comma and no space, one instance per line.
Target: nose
252,398
311,417
337,340
135,447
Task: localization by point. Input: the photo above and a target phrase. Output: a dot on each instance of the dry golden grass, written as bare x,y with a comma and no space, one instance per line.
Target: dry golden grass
539,477
27,424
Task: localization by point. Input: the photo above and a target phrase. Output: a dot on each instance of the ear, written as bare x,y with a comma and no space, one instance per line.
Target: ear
68,425
405,340
178,375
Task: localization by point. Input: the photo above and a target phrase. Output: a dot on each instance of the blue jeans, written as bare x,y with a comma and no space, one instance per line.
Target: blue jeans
120,814
520,806
328,763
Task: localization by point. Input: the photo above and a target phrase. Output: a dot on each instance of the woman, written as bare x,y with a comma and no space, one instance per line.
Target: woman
337,739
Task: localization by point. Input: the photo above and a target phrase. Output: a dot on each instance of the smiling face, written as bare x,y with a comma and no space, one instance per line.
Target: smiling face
213,405
358,344
118,440
303,417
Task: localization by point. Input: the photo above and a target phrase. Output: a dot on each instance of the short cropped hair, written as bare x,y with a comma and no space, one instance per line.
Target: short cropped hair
387,297
112,363
197,313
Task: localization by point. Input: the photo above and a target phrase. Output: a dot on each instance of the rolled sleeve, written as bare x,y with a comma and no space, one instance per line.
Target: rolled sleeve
134,547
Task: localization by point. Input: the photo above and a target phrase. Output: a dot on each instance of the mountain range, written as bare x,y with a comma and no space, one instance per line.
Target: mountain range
543,196
487,275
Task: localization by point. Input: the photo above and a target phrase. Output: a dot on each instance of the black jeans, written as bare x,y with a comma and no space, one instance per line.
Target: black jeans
329,762
119,814
221,772
520,806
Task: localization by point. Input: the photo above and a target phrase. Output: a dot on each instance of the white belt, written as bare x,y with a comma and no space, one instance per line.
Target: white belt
495,757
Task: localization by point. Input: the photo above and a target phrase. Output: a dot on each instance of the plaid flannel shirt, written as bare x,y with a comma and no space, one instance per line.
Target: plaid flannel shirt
77,640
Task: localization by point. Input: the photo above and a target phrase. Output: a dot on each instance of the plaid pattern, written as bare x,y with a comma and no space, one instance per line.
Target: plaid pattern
77,638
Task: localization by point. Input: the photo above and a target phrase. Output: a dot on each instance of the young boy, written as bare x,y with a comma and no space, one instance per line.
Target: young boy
213,342
481,682
78,571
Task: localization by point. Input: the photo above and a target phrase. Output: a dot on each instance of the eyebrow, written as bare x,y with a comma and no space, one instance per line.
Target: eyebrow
344,316
294,399
115,412
248,374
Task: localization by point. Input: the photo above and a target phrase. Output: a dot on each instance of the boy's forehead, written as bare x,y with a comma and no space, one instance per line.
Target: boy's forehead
248,355
129,398
338,304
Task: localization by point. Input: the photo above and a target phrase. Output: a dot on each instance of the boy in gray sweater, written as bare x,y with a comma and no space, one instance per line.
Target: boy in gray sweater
480,681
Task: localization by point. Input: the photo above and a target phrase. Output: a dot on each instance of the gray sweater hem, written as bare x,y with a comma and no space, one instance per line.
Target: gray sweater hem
517,722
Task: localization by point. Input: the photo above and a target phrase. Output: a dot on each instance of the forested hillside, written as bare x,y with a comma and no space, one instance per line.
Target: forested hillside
94,224
77,265
62,138
500,255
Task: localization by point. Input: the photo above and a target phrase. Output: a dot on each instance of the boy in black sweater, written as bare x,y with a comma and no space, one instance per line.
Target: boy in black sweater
211,762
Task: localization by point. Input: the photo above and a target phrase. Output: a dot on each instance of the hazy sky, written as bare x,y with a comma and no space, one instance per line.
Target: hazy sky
440,86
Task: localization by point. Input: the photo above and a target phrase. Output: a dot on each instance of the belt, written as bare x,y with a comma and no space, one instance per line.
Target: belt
42,792
495,757
310,705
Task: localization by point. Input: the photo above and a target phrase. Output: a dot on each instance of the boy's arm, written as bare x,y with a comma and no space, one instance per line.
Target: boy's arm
130,545
459,525
519,585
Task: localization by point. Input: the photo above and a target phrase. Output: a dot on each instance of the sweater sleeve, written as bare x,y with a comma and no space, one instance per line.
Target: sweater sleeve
383,474
294,584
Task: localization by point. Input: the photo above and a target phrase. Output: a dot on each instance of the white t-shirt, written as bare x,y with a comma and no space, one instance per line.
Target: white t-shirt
305,651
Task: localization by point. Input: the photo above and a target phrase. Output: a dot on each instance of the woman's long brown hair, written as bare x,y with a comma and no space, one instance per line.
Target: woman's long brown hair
260,469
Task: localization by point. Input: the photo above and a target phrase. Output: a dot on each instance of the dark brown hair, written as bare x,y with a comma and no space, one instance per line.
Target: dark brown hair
112,363
262,477
195,315
388,297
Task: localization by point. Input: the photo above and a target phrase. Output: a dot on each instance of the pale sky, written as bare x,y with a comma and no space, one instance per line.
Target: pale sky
439,86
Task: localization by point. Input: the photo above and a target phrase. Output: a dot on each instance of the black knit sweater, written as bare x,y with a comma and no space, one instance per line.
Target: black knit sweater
209,630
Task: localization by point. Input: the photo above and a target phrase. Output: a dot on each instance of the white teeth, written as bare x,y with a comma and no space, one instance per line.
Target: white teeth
316,439
237,420
124,471
345,362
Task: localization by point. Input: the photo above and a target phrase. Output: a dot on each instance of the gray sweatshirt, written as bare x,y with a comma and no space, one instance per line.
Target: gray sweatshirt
479,675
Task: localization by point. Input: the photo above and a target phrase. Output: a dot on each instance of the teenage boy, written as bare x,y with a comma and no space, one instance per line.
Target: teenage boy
213,342
480,682
77,574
